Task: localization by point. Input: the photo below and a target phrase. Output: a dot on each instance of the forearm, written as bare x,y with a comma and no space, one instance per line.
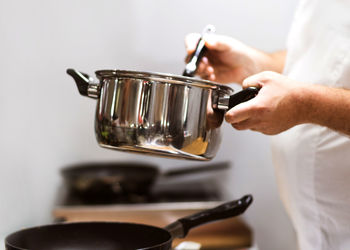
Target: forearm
278,60
271,61
325,106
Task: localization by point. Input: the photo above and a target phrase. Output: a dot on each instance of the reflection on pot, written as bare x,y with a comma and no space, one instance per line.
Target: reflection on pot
159,114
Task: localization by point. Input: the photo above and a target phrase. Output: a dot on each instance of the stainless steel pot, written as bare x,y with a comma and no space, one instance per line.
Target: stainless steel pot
160,114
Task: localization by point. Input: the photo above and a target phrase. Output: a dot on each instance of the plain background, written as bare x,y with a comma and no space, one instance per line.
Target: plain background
46,125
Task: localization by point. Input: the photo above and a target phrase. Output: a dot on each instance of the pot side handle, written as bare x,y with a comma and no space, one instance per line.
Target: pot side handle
226,103
180,228
84,83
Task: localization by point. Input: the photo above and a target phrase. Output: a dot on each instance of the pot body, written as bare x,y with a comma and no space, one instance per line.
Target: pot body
158,114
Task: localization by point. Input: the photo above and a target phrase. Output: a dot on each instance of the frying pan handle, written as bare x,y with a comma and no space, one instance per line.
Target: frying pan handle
84,83
192,65
181,227
226,103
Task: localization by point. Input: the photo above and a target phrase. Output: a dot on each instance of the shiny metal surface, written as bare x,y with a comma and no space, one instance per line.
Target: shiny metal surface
223,103
93,90
160,114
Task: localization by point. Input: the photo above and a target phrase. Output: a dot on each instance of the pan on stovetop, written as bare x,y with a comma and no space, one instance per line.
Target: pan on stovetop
118,236
109,182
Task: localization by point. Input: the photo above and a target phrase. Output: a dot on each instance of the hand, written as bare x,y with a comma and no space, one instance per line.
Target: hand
273,110
227,60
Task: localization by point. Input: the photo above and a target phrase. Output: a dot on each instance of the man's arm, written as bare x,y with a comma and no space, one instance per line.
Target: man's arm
278,61
283,103
228,60
269,61
325,106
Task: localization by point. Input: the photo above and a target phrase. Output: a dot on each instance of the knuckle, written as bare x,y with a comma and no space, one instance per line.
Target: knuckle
237,126
260,110
267,75
228,118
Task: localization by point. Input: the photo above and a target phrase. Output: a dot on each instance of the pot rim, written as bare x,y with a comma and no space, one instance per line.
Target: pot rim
163,77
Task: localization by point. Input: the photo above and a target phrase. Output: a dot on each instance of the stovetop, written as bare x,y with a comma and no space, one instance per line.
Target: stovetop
165,203
193,191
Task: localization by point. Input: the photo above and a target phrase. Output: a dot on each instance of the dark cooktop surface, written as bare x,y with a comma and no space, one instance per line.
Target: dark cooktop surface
204,190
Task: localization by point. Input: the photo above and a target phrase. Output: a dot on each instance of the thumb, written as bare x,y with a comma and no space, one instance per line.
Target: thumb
256,80
217,42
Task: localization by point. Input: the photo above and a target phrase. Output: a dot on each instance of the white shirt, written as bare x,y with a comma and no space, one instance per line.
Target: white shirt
313,162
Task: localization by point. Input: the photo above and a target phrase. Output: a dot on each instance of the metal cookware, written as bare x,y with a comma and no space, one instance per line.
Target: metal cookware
114,235
107,182
160,114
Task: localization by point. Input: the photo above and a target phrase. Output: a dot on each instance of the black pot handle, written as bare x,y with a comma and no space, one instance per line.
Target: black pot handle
242,96
226,103
180,228
84,83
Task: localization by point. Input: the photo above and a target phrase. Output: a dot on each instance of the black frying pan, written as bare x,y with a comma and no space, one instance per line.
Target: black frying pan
103,182
118,236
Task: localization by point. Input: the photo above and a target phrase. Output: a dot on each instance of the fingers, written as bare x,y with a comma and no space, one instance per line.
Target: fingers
203,65
244,125
205,70
217,42
212,41
241,112
258,80
241,118
252,81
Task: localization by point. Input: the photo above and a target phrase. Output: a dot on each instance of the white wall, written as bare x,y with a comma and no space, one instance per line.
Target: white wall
45,124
